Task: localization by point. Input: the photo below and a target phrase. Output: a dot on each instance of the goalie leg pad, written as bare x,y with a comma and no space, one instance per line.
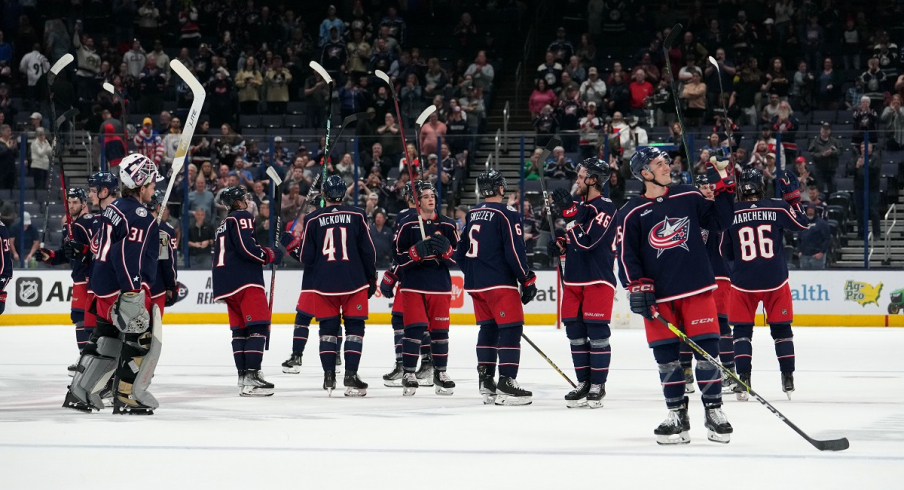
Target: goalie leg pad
94,369
153,340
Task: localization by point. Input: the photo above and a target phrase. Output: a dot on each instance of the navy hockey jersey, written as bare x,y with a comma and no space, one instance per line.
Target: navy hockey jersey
431,275
337,250
6,257
662,240
755,243
590,255
166,263
713,241
81,233
491,252
127,248
237,257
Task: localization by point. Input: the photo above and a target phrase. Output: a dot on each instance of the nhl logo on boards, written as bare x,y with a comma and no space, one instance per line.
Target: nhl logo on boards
29,291
669,233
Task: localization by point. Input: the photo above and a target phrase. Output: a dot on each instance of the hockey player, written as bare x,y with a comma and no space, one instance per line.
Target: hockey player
589,281
664,264
760,273
79,262
6,265
238,280
164,291
124,267
339,255
102,189
426,293
492,257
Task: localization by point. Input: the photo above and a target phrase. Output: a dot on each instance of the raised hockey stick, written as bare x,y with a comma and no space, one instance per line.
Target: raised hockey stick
395,98
532,344
124,112
307,201
666,45
725,119
553,143
55,128
188,130
329,116
827,445
70,114
420,123
277,182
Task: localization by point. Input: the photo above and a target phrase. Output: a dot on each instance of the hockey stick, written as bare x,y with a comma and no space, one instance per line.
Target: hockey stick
532,344
277,182
188,130
68,115
55,128
725,119
553,143
395,98
124,113
666,45
827,445
306,202
420,123
329,118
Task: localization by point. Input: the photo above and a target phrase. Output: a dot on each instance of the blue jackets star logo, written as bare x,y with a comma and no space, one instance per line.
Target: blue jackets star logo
669,233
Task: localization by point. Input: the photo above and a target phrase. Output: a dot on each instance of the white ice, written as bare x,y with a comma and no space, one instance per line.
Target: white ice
849,383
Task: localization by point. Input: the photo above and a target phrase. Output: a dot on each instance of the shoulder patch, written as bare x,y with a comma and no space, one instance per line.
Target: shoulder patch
510,208
141,211
88,216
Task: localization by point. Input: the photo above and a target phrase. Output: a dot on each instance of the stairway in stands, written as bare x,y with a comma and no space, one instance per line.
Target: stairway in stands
851,246
509,162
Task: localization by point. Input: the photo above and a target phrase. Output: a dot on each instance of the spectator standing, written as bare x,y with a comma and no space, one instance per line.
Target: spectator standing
88,64
543,96
619,99
331,21
575,70
828,92
316,94
201,198
594,88
465,34
814,242
152,83
23,248
148,142
640,89
801,93
135,59
590,126
482,74
249,81
472,104
171,141
893,117
430,132
865,120
546,125
695,94
200,241
34,65
40,158
550,71
278,78
874,81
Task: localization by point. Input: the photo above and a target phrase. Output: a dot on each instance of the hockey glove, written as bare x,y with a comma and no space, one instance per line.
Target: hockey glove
172,295
441,246
387,285
74,250
722,182
372,287
2,302
557,246
129,313
790,187
642,297
45,255
290,241
272,255
528,288
565,202
421,250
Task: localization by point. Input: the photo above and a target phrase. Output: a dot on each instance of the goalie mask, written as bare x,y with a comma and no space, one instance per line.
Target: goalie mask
137,170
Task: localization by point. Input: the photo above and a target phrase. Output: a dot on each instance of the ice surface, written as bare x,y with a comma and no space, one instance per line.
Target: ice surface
849,383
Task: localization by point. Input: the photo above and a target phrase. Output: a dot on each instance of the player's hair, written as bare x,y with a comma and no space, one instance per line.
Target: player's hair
127,192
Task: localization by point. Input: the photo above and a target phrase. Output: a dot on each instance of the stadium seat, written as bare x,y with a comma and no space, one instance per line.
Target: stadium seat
272,120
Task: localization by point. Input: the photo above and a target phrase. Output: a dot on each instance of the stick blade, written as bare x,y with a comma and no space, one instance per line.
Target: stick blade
61,63
673,36
425,114
320,71
274,176
832,445
108,87
382,76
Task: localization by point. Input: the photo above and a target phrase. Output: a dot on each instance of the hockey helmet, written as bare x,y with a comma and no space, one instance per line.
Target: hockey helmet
137,170
77,193
423,186
489,182
231,195
156,200
409,196
334,188
643,157
596,168
103,180
701,179
751,183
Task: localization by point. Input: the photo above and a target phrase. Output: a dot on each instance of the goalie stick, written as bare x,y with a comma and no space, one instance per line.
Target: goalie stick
826,445
188,130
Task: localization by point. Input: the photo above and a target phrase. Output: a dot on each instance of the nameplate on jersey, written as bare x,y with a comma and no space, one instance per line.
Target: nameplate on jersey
482,215
747,216
112,215
335,219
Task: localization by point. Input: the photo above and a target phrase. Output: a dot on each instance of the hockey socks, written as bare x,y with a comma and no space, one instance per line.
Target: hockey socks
726,344
686,356
709,379
509,351
354,342
398,331
439,344
743,349
600,352
580,349
411,347
301,332
82,335
426,343
784,346
254,346
487,337
329,342
239,336
671,374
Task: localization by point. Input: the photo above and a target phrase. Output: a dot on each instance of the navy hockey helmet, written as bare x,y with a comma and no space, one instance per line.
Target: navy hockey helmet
77,193
596,168
423,186
489,182
701,179
233,194
334,188
156,200
103,180
409,196
751,183
643,157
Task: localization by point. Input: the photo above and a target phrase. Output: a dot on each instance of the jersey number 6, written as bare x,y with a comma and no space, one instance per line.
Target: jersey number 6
749,245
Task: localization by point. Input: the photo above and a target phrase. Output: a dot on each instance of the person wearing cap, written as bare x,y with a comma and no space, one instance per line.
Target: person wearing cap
594,88
35,121
825,150
23,237
804,176
814,242
148,142
330,22
40,158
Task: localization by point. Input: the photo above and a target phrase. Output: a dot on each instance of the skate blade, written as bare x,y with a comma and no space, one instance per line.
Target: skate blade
392,383
720,438
488,398
425,381
126,410
257,392
689,388
742,396
409,390
673,439
291,370
576,403
71,374
349,391
788,394
595,403
444,391
514,401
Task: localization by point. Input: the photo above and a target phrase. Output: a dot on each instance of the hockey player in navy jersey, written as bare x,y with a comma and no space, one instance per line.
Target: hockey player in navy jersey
81,224
424,245
760,273
6,265
238,281
125,265
492,257
589,280
664,264
164,291
339,255
304,308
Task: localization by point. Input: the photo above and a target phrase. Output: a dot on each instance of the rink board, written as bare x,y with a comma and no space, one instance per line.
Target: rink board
836,298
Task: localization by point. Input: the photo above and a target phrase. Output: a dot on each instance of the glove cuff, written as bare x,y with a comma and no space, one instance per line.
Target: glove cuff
412,251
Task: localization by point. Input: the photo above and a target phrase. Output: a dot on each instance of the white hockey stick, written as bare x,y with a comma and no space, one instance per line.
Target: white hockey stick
59,65
321,71
188,130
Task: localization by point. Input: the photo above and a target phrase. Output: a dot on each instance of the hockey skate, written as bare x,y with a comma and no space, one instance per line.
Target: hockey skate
689,380
125,403
788,384
717,426
577,397
487,386
74,403
292,365
728,383
509,393
241,381
329,382
409,384
596,395
674,429
424,375
740,391
393,379
106,394
72,369
254,384
353,384
443,384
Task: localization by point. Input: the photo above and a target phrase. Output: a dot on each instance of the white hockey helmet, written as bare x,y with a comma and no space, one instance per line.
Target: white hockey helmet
137,170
